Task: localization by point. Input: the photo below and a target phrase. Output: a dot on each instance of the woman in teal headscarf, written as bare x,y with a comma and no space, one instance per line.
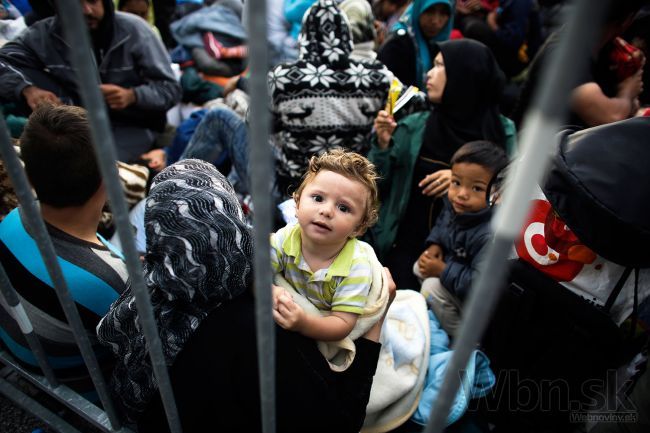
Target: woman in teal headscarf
407,52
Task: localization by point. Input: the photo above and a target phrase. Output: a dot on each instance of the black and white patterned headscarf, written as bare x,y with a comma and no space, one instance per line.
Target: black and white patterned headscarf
199,255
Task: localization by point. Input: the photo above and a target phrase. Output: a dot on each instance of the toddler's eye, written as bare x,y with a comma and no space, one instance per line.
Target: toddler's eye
344,208
317,197
478,189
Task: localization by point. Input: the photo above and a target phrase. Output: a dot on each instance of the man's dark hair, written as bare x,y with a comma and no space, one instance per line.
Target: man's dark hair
484,153
59,157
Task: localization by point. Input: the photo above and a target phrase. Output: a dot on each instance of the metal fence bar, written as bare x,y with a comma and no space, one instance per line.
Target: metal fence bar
64,395
32,406
21,318
542,121
261,176
37,229
76,35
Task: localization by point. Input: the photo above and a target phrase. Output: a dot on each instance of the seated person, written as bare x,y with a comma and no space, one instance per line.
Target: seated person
512,31
134,69
408,50
412,154
320,256
460,232
600,96
325,99
199,272
60,164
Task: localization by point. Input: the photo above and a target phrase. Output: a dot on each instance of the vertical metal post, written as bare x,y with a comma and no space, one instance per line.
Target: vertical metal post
76,36
21,318
260,159
541,125
34,221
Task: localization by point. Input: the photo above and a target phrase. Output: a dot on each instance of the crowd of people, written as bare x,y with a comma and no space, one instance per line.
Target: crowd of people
393,125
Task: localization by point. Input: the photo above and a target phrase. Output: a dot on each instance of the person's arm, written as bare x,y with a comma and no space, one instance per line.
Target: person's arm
292,317
15,56
436,184
595,108
35,96
117,97
384,128
160,89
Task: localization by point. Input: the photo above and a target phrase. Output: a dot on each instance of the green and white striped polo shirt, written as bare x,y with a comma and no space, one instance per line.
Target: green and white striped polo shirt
343,286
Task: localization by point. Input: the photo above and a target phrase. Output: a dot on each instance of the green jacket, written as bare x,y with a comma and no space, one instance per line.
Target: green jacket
395,165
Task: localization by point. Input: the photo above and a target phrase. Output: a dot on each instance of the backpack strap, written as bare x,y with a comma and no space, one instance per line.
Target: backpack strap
617,289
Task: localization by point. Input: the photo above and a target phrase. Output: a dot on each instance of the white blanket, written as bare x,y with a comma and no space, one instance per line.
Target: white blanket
403,362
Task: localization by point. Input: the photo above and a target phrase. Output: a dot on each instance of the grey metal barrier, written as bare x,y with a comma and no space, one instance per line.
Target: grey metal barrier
260,159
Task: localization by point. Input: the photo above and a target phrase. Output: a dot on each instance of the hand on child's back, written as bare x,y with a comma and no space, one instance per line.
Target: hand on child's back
430,263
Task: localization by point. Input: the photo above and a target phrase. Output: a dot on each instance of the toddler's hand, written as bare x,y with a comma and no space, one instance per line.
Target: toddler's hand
287,313
277,292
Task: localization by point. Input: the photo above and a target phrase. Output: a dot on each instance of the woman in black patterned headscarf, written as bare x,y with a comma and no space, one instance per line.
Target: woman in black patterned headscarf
198,271
199,255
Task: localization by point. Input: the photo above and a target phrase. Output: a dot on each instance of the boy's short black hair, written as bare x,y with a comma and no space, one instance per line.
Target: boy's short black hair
59,157
484,153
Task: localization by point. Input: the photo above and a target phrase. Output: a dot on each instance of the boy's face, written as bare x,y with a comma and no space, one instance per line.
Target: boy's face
330,208
468,189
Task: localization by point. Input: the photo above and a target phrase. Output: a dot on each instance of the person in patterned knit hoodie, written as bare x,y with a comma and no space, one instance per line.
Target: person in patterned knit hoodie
324,99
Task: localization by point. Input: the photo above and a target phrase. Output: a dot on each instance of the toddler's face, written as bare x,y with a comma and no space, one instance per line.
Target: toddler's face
331,208
468,189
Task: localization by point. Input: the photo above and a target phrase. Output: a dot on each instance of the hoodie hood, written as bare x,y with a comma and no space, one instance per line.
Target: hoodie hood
325,36
102,37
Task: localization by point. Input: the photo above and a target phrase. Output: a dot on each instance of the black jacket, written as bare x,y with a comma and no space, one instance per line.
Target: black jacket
461,237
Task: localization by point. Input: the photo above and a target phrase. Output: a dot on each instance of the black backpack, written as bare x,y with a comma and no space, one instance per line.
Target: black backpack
547,345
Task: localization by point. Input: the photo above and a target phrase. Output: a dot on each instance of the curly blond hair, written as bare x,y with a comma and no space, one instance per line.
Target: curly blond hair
354,167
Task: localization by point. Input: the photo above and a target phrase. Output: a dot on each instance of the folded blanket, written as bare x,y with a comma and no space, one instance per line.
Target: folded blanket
402,365
340,354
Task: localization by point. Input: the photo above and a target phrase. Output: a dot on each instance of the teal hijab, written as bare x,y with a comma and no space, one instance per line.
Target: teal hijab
410,21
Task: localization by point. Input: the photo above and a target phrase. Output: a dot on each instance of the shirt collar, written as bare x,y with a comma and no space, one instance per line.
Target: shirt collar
341,265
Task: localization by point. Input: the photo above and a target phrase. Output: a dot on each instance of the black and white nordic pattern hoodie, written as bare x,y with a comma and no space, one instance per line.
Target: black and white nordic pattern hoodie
324,99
